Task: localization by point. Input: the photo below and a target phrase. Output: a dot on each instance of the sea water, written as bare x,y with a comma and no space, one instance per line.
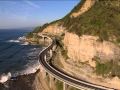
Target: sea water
15,57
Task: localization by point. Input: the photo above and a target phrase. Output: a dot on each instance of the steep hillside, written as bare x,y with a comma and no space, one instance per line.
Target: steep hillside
93,17
102,19
89,40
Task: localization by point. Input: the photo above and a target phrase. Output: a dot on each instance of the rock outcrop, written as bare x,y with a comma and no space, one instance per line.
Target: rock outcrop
33,81
89,33
86,6
86,47
54,29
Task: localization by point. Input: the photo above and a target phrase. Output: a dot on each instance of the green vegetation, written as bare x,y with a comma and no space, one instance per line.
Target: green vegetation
64,54
29,35
56,59
36,30
103,68
61,45
75,9
74,88
102,20
108,69
59,85
59,42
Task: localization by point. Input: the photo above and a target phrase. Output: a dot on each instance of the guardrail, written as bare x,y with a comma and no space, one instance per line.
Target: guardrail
64,77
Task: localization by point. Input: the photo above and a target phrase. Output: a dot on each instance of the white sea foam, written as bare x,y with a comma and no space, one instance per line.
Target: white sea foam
25,61
16,41
25,43
23,38
5,77
32,64
28,69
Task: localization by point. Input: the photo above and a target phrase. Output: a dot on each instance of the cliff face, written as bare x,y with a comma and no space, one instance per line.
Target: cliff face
91,39
86,47
54,29
102,19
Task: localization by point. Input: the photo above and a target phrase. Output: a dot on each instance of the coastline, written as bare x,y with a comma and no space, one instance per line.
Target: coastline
26,82
31,67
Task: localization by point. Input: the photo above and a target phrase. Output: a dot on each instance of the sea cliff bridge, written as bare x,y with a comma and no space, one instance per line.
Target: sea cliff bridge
55,73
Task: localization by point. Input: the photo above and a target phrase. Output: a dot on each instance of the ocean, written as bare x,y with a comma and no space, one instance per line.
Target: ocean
16,57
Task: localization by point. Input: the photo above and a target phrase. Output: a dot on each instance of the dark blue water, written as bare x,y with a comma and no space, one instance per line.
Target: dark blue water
11,34
16,58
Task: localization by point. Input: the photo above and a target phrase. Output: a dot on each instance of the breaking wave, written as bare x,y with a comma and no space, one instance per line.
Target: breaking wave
18,59
15,41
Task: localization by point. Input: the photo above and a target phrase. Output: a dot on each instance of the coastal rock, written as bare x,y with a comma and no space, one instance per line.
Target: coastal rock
26,82
86,47
54,29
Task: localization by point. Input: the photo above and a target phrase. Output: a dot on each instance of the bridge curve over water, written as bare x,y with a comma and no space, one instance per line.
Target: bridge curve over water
62,76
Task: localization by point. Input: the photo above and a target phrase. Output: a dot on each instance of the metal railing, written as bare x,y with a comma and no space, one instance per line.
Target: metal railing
64,77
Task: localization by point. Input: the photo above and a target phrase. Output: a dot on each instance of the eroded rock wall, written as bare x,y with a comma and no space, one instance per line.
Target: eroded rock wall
54,29
85,48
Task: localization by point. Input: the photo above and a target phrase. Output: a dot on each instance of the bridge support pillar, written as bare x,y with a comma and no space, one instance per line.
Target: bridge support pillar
45,57
54,47
43,74
51,83
44,39
50,52
64,86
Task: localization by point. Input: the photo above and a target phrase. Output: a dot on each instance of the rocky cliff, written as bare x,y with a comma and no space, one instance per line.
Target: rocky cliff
86,47
90,39
33,81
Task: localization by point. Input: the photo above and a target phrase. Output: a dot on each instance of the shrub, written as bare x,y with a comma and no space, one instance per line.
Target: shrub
102,20
108,69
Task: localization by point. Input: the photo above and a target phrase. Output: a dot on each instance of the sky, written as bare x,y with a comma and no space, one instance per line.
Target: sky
31,13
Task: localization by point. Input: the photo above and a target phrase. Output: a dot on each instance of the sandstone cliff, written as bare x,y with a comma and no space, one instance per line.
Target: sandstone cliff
86,47
91,41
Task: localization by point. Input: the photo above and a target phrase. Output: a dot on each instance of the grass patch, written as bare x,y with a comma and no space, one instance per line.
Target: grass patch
102,20
59,85
108,69
64,54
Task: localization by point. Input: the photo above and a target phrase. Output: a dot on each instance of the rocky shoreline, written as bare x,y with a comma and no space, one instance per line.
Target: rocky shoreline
24,82
28,58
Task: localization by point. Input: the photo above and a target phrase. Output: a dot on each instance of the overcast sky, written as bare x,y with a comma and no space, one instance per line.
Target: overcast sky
29,13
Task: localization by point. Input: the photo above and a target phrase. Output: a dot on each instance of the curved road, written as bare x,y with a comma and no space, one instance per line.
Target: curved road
62,76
